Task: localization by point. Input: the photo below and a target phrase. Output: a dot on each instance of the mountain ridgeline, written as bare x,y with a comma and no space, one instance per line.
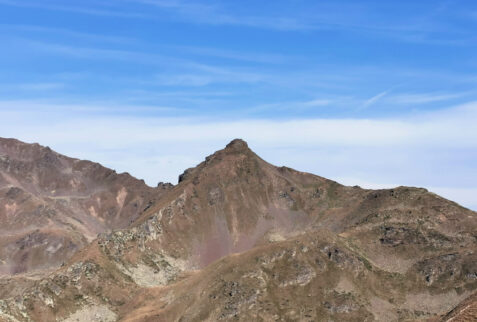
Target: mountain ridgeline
236,239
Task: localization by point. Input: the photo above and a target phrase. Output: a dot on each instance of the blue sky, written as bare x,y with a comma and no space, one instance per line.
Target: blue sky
376,93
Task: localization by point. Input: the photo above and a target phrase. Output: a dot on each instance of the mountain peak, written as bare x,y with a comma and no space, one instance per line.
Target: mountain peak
237,145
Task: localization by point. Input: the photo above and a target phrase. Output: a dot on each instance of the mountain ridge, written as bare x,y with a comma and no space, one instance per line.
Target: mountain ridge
238,239
66,201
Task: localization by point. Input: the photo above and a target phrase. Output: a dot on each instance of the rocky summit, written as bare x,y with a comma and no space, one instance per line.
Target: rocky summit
237,239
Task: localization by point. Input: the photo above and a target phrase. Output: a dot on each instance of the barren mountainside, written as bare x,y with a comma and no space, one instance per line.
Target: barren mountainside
51,205
236,239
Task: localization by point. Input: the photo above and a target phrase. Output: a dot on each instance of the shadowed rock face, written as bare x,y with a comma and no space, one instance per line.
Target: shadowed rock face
51,205
241,239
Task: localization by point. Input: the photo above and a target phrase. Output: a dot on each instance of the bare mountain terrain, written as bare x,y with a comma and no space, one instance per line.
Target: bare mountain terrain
51,205
236,239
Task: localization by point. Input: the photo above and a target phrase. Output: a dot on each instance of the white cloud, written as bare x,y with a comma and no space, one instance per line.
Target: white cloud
432,150
450,128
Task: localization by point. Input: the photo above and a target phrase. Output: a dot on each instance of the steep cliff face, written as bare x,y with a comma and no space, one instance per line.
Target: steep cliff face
51,205
241,239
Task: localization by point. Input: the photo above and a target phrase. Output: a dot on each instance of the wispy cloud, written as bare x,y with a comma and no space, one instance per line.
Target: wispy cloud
424,98
215,15
202,74
196,73
96,37
375,99
32,86
72,9
423,27
318,102
343,16
184,80
99,53
266,58
60,110
295,106
325,18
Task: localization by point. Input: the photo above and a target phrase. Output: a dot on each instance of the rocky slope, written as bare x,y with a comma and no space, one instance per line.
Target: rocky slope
51,205
240,239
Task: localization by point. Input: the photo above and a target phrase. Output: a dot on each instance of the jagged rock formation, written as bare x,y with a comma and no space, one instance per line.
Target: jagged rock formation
240,239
